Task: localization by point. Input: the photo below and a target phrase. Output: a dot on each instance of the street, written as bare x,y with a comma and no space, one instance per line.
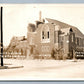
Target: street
42,70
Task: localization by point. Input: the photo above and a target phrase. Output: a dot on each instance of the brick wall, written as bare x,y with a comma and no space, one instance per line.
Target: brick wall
45,47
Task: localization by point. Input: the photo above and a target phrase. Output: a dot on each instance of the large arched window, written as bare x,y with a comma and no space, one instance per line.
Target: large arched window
45,34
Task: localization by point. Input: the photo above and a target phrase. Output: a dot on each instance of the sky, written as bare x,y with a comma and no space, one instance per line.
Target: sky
16,17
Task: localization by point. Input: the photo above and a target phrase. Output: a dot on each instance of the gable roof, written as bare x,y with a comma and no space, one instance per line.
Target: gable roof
64,26
56,22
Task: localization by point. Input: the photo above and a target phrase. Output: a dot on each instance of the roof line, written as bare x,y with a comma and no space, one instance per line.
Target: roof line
60,22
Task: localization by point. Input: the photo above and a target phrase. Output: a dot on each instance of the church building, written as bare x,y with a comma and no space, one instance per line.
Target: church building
54,39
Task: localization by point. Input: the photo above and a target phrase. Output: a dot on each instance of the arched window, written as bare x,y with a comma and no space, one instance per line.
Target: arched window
45,33
71,30
42,34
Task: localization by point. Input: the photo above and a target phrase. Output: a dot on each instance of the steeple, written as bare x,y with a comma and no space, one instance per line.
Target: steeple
40,15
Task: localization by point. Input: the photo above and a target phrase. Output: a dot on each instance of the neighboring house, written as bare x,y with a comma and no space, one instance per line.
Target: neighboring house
55,35
17,46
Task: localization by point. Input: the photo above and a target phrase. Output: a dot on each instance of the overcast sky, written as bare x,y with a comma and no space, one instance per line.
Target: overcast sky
17,16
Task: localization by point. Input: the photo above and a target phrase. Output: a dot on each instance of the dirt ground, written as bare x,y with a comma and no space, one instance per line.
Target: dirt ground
19,69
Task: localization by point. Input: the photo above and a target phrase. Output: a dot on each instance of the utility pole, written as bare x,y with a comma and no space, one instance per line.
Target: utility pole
1,36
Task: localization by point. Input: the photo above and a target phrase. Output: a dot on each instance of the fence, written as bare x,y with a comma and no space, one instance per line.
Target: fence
13,56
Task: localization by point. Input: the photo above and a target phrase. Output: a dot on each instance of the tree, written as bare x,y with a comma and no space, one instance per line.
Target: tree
53,54
57,53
